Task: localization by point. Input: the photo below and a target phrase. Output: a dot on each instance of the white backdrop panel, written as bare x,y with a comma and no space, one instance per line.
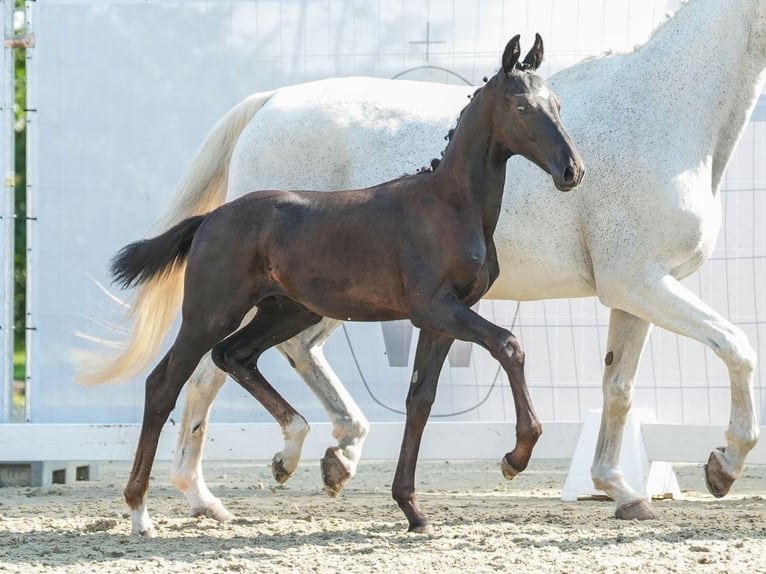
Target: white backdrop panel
7,220
124,92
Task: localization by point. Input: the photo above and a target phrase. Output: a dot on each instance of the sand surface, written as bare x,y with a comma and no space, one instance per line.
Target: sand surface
482,524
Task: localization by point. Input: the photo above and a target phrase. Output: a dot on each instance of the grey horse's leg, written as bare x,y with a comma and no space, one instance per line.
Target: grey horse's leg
350,426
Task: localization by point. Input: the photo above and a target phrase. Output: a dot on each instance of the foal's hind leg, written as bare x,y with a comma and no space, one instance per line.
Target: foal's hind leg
304,351
162,389
276,321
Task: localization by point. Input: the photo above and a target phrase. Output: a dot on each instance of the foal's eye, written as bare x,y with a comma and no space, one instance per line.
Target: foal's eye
522,109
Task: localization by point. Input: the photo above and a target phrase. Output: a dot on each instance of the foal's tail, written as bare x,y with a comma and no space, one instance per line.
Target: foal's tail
203,188
155,258
157,265
157,301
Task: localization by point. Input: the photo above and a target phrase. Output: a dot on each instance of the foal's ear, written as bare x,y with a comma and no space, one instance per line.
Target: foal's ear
511,55
535,56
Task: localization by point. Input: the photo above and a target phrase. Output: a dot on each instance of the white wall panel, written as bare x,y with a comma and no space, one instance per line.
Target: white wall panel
125,91
7,217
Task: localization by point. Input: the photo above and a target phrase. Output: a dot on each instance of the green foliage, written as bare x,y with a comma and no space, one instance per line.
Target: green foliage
19,365
20,260
20,235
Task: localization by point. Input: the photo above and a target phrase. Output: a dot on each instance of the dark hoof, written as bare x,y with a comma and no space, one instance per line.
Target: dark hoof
717,478
636,510
278,471
509,472
335,472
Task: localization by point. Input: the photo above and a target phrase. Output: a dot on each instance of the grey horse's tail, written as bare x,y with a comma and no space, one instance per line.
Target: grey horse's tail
158,299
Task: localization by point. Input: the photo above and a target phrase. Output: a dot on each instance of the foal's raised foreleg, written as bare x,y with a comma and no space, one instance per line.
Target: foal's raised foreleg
668,304
452,317
275,322
449,318
304,351
626,340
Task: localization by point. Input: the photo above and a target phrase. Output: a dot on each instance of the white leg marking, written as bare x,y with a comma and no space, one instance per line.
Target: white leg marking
140,522
287,459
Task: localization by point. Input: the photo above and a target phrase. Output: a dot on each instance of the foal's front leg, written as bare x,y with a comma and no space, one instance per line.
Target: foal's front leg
452,317
441,321
431,351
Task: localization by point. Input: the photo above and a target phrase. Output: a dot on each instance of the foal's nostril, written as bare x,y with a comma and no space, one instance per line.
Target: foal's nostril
569,174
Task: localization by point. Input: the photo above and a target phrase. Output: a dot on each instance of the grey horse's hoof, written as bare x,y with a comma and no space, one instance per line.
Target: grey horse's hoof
278,471
717,478
336,471
636,510
215,511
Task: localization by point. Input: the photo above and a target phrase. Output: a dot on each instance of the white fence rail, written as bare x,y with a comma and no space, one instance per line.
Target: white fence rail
259,441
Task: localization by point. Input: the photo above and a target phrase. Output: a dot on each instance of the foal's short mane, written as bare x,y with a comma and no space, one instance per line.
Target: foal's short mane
522,66
436,161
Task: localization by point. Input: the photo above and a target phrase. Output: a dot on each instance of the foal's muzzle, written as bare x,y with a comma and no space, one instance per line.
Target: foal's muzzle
571,176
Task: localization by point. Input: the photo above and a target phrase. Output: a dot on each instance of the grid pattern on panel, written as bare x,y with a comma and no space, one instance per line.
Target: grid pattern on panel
173,85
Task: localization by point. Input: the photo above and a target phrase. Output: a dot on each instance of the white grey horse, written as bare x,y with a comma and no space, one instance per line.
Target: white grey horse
656,127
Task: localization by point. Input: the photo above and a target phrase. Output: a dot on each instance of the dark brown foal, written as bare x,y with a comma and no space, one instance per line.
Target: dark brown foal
418,247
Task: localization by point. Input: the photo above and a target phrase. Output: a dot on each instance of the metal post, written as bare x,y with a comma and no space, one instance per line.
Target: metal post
8,214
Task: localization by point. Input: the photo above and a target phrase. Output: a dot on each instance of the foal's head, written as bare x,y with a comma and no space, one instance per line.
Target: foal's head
526,119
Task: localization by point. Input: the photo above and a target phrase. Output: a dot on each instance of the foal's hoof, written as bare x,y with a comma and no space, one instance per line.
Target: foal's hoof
636,510
509,472
717,478
424,528
278,470
336,471
216,511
